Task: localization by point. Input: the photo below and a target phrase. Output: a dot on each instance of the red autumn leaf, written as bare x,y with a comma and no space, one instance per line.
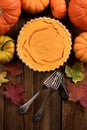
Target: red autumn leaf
19,88
83,100
15,93
78,93
14,68
72,92
81,90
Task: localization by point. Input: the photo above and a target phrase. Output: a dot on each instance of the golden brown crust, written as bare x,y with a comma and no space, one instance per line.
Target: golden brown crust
43,44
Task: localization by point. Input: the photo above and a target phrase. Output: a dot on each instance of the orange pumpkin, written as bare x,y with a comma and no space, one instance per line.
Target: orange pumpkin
80,47
34,6
77,12
9,14
58,8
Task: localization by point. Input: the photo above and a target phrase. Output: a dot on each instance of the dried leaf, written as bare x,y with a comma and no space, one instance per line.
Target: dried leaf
15,93
78,93
3,78
72,92
14,68
83,100
76,72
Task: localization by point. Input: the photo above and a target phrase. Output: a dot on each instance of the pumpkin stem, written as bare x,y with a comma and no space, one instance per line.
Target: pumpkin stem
6,43
1,11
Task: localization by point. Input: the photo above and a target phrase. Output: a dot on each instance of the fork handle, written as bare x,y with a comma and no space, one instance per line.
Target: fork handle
24,108
63,92
39,114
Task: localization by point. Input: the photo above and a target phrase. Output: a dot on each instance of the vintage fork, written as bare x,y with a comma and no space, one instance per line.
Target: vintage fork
53,87
24,108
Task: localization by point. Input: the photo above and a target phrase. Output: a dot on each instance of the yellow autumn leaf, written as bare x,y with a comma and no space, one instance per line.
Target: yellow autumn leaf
3,78
76,72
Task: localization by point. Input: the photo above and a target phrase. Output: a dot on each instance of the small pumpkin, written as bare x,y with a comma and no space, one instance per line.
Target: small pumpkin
9,14
7,49
58,8
80,47
34,6
77,12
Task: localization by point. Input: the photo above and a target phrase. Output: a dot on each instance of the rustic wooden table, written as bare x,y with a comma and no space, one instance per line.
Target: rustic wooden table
58,115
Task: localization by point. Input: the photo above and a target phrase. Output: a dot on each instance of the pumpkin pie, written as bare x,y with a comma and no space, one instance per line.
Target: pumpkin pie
44,44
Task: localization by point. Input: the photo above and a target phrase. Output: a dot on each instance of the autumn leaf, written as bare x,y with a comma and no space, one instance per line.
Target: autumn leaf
72,92
3,78
83,100
76,72
78,93
14,68
15,93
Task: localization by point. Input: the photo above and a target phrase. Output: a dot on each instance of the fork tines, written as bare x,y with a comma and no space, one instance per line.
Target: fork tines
56,83
49,81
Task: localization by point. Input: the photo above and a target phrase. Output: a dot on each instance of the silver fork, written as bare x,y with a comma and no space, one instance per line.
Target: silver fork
24,108
53,87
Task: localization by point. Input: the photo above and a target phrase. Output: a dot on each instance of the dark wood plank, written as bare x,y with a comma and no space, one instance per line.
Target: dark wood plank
38,80
28,80
1,104
52,112
74,117
12,120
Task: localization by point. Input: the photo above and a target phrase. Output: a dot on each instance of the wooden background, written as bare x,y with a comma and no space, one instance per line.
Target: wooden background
58,115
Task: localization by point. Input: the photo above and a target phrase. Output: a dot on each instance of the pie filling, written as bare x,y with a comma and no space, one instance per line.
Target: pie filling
44,45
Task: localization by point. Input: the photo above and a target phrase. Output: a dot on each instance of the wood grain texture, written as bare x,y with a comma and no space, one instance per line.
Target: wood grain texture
11,120
58,115
74,116
2,108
